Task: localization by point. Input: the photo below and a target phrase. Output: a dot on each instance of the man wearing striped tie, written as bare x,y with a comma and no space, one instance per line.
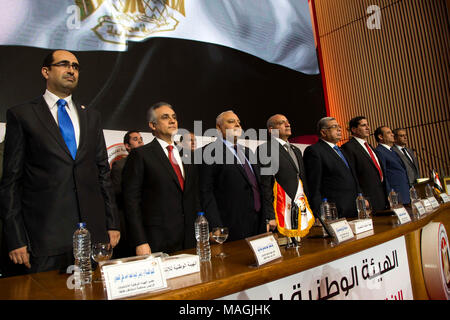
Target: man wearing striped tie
329,173
56,173
364,160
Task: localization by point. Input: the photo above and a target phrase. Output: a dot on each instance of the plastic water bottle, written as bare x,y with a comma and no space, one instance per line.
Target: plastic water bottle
361,207
413,194
393,199
202,237
82,253
429,191
325,214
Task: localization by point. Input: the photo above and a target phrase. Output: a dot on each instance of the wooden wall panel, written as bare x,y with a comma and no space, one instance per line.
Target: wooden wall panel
396,76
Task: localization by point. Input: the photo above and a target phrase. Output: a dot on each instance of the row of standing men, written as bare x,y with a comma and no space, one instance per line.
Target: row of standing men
56,174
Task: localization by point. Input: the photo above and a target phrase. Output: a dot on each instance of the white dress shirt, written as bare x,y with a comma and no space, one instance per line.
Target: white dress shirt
51,100
406,151
176,154
362,143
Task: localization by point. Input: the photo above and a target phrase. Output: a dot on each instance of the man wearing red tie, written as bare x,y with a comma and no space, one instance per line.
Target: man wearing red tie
365,161
159,190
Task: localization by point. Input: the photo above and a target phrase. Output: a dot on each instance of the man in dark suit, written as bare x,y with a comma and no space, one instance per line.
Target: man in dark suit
328,172
160,190
407,155
286,165
230,182
366,164
131,140
396,176
56,173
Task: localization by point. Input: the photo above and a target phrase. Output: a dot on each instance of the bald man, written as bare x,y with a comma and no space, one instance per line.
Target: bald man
230,186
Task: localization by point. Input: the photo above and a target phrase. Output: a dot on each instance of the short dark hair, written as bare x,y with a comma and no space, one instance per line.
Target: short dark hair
377,132
395,131
48,60
126,138
354,123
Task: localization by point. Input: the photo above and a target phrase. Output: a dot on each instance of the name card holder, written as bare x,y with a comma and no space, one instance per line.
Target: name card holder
361,225
445,198
434,202
137,276
265,248
340,230
427,204
420,208
180,265
402,215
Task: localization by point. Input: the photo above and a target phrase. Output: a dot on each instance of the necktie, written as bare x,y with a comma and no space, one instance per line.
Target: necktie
175,166
407,156
66,127
291,153
251,177
374,160
338,150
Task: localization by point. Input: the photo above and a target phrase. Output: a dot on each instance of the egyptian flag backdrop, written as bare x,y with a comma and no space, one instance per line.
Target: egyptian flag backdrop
256,57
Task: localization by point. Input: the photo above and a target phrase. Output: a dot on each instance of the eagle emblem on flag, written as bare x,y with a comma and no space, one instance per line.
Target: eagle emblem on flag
294,216
133,20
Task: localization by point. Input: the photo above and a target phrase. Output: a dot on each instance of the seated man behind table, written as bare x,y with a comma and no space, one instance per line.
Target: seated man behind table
328,172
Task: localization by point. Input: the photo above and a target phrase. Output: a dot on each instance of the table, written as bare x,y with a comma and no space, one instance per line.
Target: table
221,277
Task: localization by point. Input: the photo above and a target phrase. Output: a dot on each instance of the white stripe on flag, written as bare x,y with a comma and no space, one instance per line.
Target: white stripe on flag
278,31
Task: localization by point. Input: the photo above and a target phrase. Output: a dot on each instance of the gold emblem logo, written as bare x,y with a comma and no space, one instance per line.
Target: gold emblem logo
132,19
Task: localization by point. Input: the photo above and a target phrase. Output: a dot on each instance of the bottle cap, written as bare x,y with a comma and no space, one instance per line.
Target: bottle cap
81,224
200,213
359,194
324,199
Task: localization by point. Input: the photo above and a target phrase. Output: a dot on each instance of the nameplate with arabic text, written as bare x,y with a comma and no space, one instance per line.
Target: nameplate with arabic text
420,208
427,205
180,265
434,202
361,225
134,277
341,230
265,248
445,197
402,215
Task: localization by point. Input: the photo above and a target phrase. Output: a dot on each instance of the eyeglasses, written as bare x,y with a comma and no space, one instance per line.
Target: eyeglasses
67,65
336,126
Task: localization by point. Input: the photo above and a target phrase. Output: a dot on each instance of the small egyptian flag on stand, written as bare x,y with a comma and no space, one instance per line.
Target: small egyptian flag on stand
294,216
437,183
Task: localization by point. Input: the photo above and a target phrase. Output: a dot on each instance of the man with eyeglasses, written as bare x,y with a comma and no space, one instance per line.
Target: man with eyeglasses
56,173
328,171
406,154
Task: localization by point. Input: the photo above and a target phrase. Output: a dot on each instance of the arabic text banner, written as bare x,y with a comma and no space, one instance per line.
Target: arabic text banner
378,273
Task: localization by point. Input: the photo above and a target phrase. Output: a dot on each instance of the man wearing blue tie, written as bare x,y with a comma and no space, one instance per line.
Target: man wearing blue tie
56,173
328,172
396,174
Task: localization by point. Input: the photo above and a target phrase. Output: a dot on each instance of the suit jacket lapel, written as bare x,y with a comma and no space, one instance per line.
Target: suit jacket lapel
333,153
161,156
287,156
82,120
44,115
364,152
